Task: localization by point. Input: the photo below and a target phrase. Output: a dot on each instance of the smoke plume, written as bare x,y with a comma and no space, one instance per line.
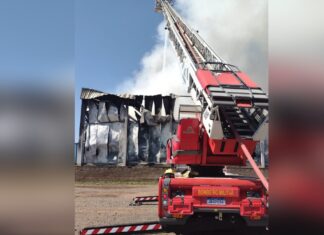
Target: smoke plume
235,29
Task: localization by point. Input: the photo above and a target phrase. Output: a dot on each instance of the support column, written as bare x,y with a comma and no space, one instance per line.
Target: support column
125,142
80,150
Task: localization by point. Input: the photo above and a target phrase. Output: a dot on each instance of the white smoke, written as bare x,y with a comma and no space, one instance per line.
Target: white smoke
155,77
235,29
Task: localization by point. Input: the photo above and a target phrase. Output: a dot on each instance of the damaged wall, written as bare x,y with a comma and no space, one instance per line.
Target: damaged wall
124,130
104,133
128,130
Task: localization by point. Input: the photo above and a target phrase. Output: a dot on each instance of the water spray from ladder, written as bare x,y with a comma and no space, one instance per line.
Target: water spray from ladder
165,49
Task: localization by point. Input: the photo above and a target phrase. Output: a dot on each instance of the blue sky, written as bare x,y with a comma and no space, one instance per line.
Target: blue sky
98,43
37,38
111,37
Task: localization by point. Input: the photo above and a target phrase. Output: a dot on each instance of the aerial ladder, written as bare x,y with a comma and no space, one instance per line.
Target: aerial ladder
234,108
230,118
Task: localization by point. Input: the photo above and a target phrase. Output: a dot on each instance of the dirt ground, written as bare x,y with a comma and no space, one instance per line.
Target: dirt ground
103,194
108,204
139,173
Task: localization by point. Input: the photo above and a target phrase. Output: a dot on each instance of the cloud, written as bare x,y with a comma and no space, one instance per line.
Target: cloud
235,29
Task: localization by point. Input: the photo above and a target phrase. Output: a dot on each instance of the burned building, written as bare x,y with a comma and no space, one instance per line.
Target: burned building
124,129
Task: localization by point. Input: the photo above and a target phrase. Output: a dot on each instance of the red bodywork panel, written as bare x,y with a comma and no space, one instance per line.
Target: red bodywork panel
206,78
229,150
189,130
253,208
244,103
184,196
247,80
228,79
186,143
191,147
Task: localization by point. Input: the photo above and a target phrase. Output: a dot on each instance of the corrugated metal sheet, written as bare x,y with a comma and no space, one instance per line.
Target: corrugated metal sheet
88,94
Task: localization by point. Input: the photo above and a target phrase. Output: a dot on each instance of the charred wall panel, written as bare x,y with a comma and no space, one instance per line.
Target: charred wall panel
102,143
143,143
109,135
154,144
116,143
132,144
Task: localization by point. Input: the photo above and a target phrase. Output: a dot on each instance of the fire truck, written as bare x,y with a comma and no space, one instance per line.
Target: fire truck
229,117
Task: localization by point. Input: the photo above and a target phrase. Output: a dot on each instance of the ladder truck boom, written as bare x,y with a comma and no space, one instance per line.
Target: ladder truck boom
215,85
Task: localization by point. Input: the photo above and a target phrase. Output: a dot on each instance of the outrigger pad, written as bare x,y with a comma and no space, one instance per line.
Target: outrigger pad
150,227
139,200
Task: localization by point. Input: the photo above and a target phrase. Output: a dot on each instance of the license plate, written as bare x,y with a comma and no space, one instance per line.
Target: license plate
216,201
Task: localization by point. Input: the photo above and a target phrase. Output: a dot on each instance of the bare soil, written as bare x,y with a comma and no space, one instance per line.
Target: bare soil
99,204
106,173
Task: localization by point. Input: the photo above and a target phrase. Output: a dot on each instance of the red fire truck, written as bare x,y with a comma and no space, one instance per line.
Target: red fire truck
229,117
